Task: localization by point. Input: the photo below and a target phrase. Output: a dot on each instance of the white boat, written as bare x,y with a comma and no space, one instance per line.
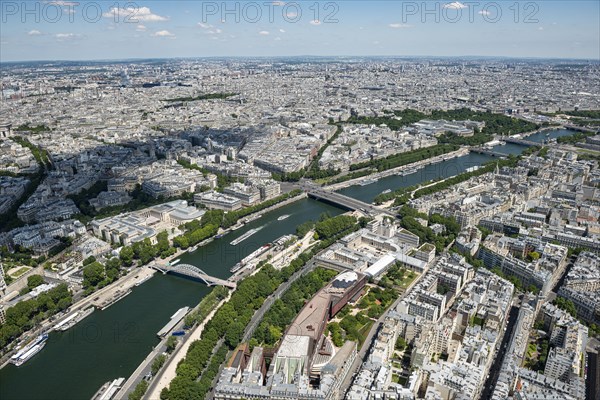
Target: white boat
386,191
368,182
74,319
250,219
175,262
25,354
285,216
245,236
250,257
236,268
143,280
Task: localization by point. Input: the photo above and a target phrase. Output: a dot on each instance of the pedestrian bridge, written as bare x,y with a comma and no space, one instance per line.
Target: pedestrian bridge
194,272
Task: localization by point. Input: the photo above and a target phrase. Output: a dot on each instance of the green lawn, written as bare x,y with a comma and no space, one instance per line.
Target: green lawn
19,272
407,280
364,331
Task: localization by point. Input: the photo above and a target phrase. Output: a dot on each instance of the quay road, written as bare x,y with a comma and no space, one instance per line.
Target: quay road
168,371
142,370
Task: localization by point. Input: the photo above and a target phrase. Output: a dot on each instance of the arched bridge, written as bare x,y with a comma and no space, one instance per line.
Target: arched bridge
194,272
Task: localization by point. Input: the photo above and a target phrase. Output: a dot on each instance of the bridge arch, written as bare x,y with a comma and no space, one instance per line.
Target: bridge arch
191,271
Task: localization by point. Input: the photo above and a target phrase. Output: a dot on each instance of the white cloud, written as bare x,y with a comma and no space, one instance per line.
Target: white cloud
209,29
315,22
134,14
64,3
163,33
455,5
61,37
278,3
282,30
291,14
263,33
277,38
140,28
484,12
68,6
399,26
541,28
34,33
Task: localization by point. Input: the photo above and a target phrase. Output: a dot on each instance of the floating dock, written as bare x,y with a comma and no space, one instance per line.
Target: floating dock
109,389
73,319
119,295
175,318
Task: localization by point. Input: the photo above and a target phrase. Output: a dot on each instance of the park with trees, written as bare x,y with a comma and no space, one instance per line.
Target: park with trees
25,315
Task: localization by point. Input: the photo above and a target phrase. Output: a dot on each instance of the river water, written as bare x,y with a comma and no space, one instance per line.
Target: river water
444,169
111,343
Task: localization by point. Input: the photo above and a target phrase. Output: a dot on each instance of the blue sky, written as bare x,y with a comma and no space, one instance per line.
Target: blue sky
86,30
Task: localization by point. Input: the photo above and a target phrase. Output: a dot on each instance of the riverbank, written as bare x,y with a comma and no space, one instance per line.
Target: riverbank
251,217
169,370
395,171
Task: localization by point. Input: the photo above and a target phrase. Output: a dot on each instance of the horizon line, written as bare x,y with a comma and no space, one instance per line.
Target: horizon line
595,60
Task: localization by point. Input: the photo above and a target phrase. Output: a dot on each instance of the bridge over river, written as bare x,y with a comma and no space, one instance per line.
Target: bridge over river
320,193
194,272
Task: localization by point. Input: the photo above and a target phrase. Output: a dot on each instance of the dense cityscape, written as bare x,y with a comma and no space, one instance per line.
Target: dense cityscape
300,228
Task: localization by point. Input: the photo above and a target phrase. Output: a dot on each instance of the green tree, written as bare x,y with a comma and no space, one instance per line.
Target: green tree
401,343
126,256
89,260
34,281
93,274
139,391
566,305
234,333
158,362
171,344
